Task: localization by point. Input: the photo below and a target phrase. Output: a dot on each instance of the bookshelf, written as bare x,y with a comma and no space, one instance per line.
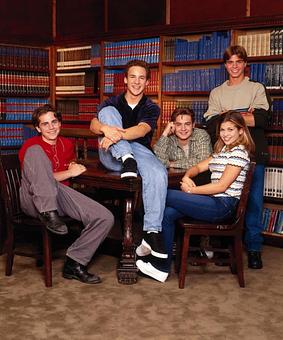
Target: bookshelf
191,68
265,51
77,82
184,69
24,85
77,72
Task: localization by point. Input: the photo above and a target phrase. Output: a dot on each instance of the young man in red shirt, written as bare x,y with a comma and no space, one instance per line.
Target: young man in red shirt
48,162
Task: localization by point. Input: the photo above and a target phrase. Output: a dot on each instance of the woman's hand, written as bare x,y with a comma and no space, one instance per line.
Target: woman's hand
187,184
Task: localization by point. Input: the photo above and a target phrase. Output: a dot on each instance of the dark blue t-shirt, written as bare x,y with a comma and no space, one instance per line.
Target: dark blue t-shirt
146,111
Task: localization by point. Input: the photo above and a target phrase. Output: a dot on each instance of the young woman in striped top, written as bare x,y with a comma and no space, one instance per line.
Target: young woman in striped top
216,201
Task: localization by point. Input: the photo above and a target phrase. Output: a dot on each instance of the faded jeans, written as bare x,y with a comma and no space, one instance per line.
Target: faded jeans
153,173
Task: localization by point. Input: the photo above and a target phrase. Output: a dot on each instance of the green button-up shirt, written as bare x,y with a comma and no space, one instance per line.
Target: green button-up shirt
167,149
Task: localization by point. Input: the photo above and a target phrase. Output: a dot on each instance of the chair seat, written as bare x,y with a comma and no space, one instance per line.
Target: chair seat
29,221
198,224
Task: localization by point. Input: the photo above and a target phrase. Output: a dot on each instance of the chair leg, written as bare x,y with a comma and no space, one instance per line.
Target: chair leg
179,236
47,257
184,259
239,261
9,246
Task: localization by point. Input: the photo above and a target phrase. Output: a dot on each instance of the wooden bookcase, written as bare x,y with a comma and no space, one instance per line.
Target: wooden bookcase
24,85
177,57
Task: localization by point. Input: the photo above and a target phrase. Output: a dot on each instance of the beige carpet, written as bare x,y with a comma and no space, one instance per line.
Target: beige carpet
212,306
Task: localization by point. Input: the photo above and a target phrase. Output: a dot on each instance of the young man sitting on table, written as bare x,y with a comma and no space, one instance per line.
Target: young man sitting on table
126,124
48,162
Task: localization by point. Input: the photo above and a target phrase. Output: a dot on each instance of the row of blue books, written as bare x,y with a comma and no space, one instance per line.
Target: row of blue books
276,119
15,134
268,74
120,52
194,79
272,220
198,106
19,108
207,47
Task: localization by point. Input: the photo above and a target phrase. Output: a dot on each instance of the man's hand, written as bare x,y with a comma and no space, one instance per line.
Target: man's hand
169,129
76,169
249,117
113,133
105,143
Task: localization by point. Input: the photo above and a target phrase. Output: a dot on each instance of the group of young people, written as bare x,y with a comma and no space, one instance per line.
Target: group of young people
236,117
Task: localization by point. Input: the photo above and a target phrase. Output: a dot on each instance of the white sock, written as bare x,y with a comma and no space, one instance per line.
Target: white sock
128,155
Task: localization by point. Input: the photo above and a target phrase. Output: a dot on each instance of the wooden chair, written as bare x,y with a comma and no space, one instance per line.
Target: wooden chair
232,228
16,221
84,140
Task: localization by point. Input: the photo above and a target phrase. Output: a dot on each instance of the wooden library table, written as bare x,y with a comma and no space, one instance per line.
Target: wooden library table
127,190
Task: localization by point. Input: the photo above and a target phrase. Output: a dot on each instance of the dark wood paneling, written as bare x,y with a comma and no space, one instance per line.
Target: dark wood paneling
83,19
25,21
186,12
266,7
124,14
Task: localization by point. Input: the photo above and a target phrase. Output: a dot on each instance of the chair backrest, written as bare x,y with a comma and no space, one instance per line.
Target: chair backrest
84,141
10,172
245,193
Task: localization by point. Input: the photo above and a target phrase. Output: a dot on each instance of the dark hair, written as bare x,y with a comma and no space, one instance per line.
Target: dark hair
235,50
41,111
137,62
180,111
245,139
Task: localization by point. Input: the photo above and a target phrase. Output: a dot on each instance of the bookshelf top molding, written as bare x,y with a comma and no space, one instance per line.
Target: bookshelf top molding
193,28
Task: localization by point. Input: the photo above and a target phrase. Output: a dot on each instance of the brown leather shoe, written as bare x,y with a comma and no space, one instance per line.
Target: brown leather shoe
74,270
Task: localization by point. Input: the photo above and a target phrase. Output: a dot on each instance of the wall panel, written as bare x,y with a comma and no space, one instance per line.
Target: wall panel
124,14
26,21
80,19
193,11
266,8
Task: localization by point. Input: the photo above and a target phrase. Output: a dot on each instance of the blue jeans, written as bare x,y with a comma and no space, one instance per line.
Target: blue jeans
201,207
153,173
254,226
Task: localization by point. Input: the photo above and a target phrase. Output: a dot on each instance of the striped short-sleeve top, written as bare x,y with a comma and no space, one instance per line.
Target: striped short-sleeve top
237,156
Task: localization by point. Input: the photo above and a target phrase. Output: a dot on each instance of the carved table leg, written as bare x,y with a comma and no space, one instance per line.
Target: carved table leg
127,270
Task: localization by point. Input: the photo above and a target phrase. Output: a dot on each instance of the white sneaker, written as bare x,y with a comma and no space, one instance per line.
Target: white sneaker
148,269
209,253
142,250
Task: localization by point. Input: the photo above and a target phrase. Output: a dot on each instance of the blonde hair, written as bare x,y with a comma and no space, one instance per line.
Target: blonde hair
244,139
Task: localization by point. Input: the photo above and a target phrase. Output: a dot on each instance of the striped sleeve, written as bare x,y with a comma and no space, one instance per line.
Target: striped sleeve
238,157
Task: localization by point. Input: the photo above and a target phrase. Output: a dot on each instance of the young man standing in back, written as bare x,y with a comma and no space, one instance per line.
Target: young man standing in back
250,98
126,123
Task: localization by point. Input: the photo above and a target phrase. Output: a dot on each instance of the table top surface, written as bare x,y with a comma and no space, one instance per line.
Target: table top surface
98,176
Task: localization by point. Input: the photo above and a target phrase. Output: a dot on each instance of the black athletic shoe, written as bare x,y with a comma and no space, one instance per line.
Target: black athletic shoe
129,168
254,260
53,223
155,245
